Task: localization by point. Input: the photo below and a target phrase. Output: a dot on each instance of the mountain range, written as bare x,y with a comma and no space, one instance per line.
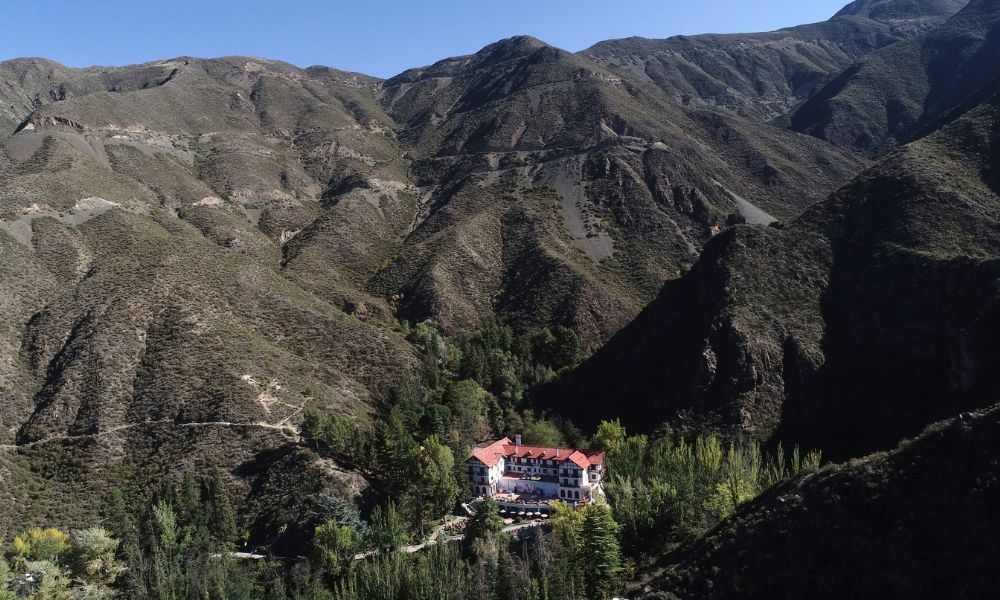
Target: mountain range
788,236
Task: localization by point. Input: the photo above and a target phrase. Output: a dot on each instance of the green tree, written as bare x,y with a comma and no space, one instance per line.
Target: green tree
189,504
434,480
5,575
315,424
93,556
391,453
600,552
486,524
436,420
222,513
334,547
342,511
610,436
566,570
120,520
470,410
168,581
541,432
50,582
387,529
558,347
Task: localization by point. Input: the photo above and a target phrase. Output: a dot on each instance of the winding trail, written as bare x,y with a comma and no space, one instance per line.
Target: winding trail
436,535
287,429
410,549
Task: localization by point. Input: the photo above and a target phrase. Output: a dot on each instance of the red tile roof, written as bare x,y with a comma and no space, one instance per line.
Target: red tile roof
579,459
490,455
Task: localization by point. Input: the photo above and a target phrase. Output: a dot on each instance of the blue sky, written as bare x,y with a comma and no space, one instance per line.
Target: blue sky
378,37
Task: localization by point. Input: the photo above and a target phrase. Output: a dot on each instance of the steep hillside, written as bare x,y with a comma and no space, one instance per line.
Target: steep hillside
194,251
577,191
768,75
858,324
151,328
918,522
891,96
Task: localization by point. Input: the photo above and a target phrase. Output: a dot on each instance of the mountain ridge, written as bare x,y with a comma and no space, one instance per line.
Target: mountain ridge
870,109
195,252
842,330
767,75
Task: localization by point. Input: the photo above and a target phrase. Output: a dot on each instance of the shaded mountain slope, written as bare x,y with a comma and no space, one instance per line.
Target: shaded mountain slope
860,323
917,522
767,75
893,95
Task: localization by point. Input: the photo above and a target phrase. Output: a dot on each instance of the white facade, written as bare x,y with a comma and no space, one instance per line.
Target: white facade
518,474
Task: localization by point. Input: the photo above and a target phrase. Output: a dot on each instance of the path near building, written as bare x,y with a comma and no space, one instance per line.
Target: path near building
410,549
436,535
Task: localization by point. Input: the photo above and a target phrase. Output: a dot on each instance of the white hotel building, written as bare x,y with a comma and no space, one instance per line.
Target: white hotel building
525,479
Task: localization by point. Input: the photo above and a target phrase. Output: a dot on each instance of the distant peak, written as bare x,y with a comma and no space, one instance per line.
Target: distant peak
514,46
889,11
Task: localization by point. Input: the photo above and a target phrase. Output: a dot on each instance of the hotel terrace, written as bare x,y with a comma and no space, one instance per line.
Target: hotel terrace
524,480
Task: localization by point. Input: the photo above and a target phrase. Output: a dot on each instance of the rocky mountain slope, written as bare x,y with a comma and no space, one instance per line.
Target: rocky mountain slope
858,324
556,191
768,75
192,252
904,90
917,522
150,325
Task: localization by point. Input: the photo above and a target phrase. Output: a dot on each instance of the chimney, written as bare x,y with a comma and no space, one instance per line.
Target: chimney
517,442
557,452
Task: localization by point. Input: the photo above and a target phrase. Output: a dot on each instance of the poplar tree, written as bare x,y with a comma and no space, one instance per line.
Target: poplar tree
600,552
222,514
